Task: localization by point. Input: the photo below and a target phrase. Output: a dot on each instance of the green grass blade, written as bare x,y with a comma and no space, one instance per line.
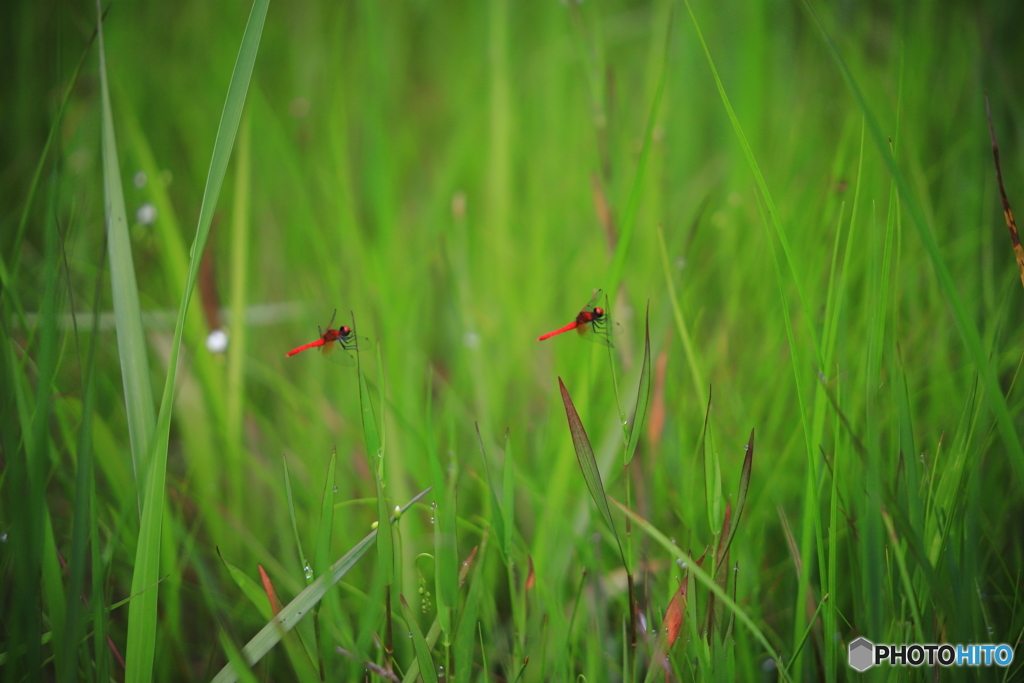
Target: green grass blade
243,672
131,342
375,461
84,503
435,628
588,464
466,631
711,492
759,178
629,215
307,569
142,613
8,276
810,626
497,516
446,560
252,590
236,356
305,601
643,392
426,663
681,328
964,321
53,590
508,501
741,497
908,584
321,557
706,579
305,670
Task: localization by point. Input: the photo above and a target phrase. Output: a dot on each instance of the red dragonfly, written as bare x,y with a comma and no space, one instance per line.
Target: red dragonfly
592,322
342,336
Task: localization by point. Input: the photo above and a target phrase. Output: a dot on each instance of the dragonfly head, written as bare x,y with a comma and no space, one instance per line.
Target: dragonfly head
598,312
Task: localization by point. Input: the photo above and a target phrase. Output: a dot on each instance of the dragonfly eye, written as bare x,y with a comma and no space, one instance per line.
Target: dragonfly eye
345,330
598,312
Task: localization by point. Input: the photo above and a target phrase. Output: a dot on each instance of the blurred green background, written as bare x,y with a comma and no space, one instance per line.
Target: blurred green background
461,176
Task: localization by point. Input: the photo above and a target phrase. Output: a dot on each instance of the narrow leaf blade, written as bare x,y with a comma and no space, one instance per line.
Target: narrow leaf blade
293,612
643,392
587,461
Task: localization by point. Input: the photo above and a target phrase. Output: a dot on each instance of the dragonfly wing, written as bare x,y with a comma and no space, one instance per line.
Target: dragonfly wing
597,332
594,300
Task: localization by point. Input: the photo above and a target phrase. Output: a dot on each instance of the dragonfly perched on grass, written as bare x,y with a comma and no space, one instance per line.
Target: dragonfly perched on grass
592,323
331,338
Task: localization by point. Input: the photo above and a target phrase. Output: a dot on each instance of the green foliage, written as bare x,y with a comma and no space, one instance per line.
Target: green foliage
790,208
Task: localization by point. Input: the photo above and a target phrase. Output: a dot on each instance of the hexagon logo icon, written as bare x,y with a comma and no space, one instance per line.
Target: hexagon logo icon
861,654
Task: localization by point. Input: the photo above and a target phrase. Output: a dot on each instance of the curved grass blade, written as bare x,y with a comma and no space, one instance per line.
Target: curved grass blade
964,321
636,190
420,643
306,567
741,499
321,556
643,392
588,463
131,342
142,613
709,583
762,185
265,600
672,624
497,517
446,561
235,660
7,277
293,612
1011,224
677,312
374,441
84,501
469,609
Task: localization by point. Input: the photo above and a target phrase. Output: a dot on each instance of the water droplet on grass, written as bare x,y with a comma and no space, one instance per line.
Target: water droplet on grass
217,341
308,571
146,214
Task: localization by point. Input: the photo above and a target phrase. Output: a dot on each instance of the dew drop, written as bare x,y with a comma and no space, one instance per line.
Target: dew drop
308,572
335,489
146,214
